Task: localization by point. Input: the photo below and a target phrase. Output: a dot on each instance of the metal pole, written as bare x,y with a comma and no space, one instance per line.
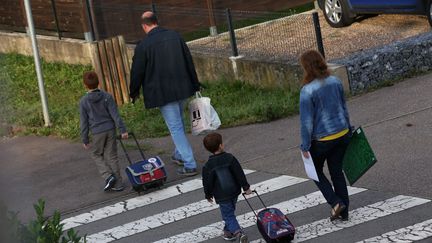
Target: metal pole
153,6
56,19
93,19
90,20
213,29
154,10
318,33
232,33
37,62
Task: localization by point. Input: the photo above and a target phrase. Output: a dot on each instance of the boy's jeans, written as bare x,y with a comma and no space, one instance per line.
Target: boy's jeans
333,151
227,209
173,116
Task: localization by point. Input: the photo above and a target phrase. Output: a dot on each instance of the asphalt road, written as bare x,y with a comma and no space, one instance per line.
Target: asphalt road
395,193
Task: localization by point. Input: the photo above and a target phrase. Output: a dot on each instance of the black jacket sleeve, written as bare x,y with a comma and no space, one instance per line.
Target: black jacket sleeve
208,182
137,71
191,67
239,174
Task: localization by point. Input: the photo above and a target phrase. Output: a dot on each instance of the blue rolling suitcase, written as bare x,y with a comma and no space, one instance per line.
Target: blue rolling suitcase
145,173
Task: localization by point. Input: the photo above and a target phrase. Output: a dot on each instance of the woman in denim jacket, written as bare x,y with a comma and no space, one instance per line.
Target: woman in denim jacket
325,129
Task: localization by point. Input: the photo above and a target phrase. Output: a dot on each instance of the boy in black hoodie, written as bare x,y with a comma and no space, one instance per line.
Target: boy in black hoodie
99,114
223,179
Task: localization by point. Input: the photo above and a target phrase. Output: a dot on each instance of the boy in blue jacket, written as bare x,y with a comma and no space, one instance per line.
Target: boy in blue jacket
223,179
99,115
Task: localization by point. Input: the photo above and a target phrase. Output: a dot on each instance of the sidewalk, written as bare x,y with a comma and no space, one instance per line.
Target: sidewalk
396,119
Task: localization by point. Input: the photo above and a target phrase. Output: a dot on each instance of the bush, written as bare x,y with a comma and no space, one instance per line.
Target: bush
41,230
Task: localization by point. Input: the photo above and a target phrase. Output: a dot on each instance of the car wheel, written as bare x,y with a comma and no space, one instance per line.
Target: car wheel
336,13
429,11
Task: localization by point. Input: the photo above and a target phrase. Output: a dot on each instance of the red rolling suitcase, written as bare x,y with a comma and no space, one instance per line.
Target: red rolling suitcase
145,173
273,225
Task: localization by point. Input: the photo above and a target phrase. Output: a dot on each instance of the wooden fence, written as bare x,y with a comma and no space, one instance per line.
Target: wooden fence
113,68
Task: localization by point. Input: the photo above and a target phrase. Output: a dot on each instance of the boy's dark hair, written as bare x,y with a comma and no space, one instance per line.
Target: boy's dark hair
212,141
91,80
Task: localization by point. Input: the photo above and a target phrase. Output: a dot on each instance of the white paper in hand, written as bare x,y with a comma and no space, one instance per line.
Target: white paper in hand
310,167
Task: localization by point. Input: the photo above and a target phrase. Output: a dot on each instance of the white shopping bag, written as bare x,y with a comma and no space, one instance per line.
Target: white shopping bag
203,116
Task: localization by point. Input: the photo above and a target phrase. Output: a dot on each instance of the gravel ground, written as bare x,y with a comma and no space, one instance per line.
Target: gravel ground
285,39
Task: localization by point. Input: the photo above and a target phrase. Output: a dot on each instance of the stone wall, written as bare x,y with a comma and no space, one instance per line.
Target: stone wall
398,60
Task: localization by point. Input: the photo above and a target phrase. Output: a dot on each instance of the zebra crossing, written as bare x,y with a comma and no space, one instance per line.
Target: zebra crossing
179,213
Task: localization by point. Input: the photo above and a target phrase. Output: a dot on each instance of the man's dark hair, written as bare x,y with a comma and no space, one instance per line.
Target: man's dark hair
151,19
91,80
212,141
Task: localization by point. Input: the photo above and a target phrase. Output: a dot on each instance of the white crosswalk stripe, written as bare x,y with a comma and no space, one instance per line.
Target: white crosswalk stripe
184,212
358,216
248,219
131,221
134,203
411,233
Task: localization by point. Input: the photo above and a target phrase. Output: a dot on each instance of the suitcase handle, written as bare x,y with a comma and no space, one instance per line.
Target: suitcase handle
124,148
253,210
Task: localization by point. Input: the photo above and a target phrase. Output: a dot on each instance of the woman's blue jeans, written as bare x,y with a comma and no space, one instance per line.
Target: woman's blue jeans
227,209
333,151
173,116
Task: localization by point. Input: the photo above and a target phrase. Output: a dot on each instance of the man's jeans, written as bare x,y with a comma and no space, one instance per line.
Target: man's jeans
333,151
227,209
173,116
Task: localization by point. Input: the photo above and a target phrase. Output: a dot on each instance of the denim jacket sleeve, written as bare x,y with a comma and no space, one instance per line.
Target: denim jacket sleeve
306,119
343,102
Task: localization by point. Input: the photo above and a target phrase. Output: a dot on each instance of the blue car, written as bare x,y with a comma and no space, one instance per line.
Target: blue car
340,13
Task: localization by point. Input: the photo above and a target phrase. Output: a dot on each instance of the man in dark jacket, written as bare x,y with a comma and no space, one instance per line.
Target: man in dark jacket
223,179
163,66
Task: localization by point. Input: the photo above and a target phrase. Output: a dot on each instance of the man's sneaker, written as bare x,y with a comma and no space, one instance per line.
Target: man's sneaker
187,172
109,182
177,161
228,236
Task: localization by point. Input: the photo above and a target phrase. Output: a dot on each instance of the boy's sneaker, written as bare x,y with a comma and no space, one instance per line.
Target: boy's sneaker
117,188
177,161
241,237
109,182
228,236
187,172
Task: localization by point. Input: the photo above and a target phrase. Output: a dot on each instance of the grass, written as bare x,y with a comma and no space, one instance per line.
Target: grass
237,103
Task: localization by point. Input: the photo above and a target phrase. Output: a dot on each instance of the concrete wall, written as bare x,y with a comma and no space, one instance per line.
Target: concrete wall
260,73
51,49
398,60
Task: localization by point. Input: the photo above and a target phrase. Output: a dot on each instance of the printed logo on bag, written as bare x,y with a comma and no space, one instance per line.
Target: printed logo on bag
152,160
196,117
148,166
